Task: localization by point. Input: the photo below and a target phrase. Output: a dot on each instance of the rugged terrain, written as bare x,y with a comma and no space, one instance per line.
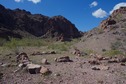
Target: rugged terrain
109,35
96,58
21,23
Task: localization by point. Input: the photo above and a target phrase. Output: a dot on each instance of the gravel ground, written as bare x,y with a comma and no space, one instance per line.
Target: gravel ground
77,72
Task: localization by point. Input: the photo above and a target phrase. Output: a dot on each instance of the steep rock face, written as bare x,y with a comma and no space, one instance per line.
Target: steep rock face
60,27
116,17
37,24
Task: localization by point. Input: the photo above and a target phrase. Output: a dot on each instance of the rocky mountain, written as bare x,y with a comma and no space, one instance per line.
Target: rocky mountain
21,23
109,35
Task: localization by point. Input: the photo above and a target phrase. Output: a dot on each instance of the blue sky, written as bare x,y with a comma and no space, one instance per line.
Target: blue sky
85,14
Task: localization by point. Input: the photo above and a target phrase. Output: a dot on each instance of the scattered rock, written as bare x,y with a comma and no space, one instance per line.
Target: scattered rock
63,59
94,62
44,70
33,68
113,61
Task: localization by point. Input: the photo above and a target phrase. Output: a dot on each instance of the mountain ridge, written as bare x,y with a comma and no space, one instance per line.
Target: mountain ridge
37,24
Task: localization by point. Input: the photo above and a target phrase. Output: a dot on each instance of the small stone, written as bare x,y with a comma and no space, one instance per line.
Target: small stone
53,52
102,67
55,59
95,68
44,61
63,59
1,63
57,74
44,70
5,65
123,64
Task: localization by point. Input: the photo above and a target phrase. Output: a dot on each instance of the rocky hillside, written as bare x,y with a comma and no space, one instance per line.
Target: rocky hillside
109,35
20,23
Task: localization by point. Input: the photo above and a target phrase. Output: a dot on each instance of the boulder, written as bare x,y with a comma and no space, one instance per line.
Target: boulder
33,68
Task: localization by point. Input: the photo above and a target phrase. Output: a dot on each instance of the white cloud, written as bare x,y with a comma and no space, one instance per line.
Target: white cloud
93,4
35,1
99,13
18,0
117,6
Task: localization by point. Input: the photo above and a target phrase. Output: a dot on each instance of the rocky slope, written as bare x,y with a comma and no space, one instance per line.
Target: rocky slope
109,35
22,23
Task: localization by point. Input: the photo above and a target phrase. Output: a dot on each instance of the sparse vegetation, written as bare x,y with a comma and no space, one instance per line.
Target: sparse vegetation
113,53
25,42
116,45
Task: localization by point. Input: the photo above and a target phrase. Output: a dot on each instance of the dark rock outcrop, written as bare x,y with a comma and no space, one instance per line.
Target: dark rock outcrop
36,24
